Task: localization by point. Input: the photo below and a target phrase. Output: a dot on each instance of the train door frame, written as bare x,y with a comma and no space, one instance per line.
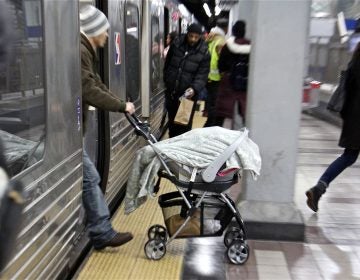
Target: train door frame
103,135
122,143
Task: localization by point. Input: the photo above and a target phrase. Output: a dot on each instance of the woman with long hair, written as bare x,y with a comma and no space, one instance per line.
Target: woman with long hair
169,38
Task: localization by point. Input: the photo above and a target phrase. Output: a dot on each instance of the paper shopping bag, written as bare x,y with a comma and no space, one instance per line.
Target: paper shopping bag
184,111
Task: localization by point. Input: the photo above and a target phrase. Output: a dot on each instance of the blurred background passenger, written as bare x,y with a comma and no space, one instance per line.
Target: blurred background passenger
216,41
233,64
169,39
350,133
186,69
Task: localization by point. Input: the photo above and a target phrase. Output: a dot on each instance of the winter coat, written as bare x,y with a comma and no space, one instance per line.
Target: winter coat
186,67
233,51
94,92
350,134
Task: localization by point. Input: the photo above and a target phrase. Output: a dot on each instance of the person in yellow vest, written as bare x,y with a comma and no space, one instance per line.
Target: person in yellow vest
216,40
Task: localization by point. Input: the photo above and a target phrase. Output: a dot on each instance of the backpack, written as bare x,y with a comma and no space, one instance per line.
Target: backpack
239,73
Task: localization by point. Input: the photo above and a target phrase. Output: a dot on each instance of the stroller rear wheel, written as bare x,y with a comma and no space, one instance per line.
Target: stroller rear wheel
232,235
157,232
238,252
155,249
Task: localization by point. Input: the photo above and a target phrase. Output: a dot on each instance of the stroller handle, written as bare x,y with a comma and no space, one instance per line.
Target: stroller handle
133,119
141,128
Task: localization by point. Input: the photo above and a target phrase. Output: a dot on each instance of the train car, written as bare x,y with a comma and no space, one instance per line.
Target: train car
41,120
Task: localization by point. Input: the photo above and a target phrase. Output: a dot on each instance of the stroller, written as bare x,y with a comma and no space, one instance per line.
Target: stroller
198,208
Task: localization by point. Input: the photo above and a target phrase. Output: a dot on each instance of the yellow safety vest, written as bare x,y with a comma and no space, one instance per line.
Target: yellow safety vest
214,74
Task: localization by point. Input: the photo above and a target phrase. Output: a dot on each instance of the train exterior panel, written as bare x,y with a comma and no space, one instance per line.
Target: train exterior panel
54,183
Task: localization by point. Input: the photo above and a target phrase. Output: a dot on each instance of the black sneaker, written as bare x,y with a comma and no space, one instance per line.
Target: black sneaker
313,196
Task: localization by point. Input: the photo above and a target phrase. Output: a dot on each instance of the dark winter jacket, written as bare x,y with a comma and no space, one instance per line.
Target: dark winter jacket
94,92
232,52
186,67
350,134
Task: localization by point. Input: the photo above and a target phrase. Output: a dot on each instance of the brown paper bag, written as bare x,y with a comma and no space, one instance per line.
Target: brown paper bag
184,112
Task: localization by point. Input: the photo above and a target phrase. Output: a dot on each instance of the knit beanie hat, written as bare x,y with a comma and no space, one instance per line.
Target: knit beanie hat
239,29
93,22
194,28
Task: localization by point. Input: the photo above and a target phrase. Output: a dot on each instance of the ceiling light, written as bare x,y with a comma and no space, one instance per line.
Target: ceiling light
207,10
217,10
183,10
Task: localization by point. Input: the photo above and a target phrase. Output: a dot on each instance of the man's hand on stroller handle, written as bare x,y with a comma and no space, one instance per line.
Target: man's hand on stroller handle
130,108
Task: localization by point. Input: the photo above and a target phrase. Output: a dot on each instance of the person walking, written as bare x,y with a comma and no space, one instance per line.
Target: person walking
234,57
186,69
216,41
93,27
350,133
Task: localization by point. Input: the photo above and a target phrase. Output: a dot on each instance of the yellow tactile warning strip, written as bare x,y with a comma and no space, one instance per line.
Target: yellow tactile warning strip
129,261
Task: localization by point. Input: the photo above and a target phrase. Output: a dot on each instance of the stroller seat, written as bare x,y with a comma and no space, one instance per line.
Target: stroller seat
223,180
219,185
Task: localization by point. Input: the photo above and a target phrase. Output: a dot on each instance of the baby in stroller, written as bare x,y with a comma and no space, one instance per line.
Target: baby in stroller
202,164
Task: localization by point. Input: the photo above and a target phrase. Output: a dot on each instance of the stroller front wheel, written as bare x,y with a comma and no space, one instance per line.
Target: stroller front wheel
157,232
232,235
238,252
155,249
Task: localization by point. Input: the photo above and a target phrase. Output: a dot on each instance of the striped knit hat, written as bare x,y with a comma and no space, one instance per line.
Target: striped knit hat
93,22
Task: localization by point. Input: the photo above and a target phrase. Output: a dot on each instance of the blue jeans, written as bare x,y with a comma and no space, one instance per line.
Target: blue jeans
97,211
347,159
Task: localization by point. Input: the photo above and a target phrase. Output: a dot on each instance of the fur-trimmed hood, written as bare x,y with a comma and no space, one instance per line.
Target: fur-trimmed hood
238,48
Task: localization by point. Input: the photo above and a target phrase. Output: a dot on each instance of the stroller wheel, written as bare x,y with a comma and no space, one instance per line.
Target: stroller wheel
157,232
238,252
233,234
155,249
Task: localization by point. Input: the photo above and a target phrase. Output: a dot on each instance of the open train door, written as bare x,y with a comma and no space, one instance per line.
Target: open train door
96,143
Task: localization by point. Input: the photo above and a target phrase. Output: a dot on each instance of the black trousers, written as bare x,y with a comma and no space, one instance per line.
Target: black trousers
212,89
172,104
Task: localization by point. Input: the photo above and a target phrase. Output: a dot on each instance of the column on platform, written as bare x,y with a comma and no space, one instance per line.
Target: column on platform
279,37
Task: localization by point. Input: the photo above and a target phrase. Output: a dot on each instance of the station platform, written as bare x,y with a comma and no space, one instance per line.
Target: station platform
331,249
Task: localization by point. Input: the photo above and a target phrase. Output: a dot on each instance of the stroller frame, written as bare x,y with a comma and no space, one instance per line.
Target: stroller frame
235,237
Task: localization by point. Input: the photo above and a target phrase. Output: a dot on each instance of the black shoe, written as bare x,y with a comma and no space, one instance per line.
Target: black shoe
313,197
119,239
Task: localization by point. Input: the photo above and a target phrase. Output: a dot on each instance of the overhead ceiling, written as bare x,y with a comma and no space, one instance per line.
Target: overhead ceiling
196,8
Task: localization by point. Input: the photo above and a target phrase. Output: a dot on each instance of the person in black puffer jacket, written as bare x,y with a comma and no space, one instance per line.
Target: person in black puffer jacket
186,68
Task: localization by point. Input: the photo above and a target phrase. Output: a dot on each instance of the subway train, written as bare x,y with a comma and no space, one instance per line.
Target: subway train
41,118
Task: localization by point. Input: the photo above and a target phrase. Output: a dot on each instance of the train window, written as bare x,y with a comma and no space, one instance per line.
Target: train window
22,89
132,50
155,53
